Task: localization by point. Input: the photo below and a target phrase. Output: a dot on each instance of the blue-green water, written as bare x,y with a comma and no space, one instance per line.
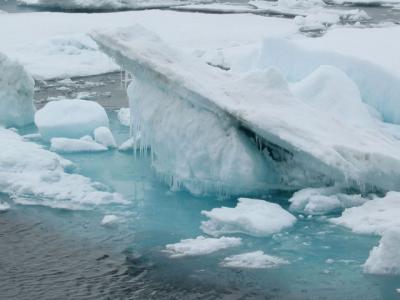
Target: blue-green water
51,253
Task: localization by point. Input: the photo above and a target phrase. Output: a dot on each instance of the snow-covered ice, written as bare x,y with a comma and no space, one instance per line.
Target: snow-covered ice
384,259
373,217
68,145
104,136
253,260
250,216
33,175
318,146
71,118
320,201
124,116
16,94
201,246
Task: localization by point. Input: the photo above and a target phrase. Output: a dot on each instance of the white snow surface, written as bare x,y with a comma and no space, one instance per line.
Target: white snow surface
250,216
16,94
253,260
70,118
104,136
33,175
67,145
321,201
307,143
201,246
384,259
62,48
373,217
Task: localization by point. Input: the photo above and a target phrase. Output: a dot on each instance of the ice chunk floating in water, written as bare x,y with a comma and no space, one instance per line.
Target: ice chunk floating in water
250,216
201,246
253,260
16,94
203,123
70,118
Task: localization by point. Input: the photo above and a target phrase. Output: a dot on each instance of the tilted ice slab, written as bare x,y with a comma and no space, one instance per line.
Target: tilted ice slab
67,145
71,118
184,107
201,246
375,71
105,5
32,175
16,94
250,216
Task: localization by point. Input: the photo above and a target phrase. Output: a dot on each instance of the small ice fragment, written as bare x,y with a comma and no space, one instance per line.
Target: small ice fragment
253,260
250,216
103,135
330,261
124,116
127,145
201,246
4,206
32,136
66,145
87,138
109,220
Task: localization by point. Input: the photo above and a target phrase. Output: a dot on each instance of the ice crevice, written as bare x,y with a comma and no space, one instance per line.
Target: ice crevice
212,130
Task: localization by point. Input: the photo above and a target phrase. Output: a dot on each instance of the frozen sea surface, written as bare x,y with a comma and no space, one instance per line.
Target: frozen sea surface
51,253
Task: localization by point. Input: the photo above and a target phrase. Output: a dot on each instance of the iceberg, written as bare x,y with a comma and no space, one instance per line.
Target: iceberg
35,176
209,129
70,118
4,206
201,246
110,220
250,216
16,94
253,260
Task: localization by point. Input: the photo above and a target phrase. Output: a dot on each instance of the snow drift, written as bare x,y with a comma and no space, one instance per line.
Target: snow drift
16,94
205,125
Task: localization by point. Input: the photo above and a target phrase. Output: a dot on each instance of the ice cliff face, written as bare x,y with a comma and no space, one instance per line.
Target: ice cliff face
16,94
245,131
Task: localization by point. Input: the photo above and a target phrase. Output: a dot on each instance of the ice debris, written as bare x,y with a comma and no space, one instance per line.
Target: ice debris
253,260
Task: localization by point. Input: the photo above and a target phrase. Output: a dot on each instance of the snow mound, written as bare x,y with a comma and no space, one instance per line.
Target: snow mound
250,216
253,260
4,206
70,118
104,136
32,175
321,201
124,116
385,258
224,117
379,86
16,94
373,217
201,246
67,145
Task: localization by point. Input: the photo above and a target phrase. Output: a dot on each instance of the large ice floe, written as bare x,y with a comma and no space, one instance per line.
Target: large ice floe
215,130
250,216
70,118
16,94
33,175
